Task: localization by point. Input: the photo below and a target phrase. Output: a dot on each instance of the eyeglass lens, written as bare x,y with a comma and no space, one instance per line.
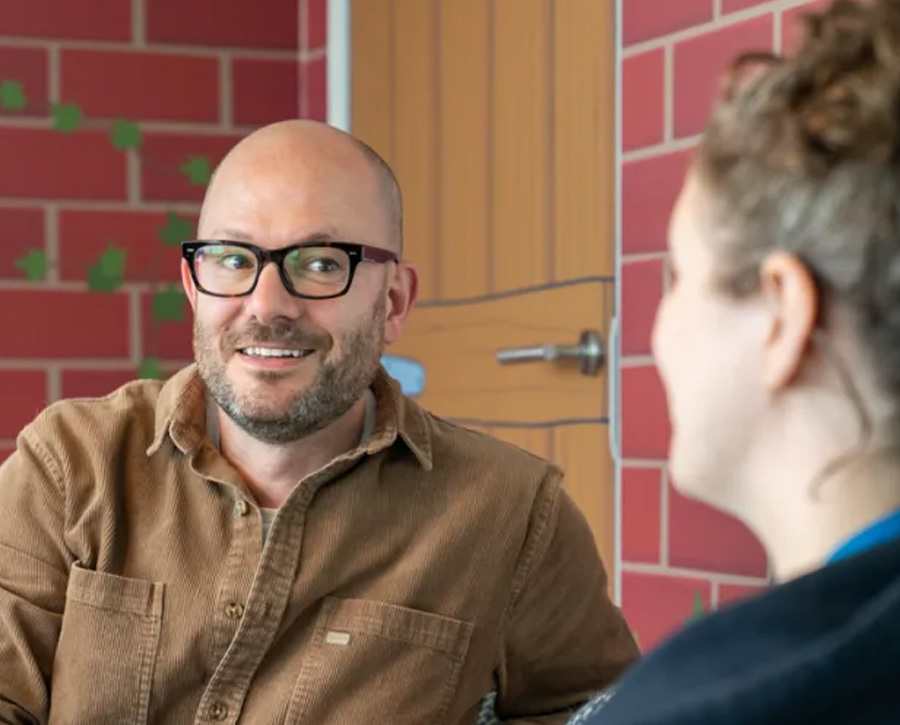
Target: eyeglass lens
313,271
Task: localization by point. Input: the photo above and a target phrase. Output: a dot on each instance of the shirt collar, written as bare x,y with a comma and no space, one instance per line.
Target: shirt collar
181,416
880,532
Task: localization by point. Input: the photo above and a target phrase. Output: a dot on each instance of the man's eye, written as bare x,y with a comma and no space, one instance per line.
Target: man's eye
235,261
322,265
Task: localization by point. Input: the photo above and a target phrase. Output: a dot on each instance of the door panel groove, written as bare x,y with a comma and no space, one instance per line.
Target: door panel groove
558,423
452,302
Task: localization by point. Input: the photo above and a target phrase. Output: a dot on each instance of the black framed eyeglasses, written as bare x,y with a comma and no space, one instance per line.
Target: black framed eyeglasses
313,270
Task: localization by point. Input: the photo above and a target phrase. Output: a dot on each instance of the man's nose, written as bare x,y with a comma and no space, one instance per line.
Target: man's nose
271,300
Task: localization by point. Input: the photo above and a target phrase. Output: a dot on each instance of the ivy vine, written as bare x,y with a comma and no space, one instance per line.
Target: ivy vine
107,273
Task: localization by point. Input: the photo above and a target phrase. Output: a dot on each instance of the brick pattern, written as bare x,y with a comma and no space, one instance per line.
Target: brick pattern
29,67
678,555
643,99
108,20
195,77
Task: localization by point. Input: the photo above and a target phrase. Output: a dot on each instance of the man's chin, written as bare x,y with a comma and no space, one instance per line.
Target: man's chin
266,408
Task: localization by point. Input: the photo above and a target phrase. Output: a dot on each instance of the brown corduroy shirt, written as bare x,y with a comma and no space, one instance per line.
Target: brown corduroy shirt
399,584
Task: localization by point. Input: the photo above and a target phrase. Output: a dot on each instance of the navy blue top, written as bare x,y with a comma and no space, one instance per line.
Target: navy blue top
819,650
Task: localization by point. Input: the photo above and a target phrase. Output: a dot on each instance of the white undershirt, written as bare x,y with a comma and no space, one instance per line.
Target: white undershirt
269,514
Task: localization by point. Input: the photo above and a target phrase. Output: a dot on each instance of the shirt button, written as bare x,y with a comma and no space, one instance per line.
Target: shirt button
241,508
233,610
218,711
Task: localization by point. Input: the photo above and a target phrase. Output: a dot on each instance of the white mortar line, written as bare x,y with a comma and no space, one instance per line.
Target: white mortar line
714,596
696,31
684,573
23,285
156,207
133,177
652,152
119,46
135,326
664,517
51,241
184,128
668,95
644,257
777,30
653,463
54,72
138,23
225,91
310,55
637,361
54,383
34,122
81,364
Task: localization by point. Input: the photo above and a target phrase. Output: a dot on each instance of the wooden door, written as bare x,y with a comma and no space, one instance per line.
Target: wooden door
498,118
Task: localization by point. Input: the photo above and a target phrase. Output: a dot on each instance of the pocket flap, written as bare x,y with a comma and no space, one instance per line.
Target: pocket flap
118,593
390,621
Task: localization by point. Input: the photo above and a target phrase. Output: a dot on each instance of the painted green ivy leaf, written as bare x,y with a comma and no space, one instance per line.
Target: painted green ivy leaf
169,305
67,117
176,230
699,611
149,369
197,169
34,265
125,135
108,272
12,96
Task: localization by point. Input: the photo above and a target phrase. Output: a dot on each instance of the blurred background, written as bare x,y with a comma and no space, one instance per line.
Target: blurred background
540,145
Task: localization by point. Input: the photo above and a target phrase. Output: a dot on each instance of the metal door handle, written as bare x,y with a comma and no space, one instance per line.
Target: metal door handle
589,351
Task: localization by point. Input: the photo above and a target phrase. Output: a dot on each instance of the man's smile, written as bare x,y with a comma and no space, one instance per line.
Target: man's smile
275,352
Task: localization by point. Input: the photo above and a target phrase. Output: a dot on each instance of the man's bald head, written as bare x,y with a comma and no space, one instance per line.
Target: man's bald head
299,152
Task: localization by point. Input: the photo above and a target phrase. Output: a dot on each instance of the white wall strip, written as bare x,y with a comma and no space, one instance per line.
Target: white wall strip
338,59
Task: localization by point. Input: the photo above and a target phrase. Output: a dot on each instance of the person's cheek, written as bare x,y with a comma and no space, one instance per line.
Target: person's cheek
661,327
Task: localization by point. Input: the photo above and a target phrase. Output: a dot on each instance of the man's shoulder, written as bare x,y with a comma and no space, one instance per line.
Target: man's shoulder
455,439
132,407
474,457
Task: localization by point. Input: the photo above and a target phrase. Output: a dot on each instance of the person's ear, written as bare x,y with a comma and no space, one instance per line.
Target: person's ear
792,298
187,281
402,291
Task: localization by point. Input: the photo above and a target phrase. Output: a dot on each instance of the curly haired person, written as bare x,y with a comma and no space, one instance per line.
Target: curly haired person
779,345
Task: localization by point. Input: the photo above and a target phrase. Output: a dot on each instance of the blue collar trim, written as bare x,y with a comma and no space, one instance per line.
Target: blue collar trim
881,532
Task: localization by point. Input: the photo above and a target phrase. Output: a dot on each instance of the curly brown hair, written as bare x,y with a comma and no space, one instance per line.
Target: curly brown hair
803,154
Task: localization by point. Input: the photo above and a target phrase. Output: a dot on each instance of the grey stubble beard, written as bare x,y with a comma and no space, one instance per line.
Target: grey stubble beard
338,383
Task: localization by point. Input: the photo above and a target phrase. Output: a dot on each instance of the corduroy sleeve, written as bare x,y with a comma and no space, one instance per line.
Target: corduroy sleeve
564,640
34,565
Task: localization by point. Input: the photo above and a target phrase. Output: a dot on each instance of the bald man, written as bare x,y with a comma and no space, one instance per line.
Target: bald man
276,534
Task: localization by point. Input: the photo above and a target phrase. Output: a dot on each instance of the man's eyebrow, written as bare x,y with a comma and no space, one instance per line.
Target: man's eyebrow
236,235
318,236
233,234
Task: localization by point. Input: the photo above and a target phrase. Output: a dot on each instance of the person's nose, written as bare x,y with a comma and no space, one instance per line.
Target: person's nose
270,299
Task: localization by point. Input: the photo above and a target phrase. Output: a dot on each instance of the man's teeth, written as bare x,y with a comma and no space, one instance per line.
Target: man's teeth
274,352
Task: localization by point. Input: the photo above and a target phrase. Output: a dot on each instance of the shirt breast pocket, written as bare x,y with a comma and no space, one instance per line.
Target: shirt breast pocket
374,662
106,654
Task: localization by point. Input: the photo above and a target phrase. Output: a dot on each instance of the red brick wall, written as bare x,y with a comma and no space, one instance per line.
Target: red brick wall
88,230
679,556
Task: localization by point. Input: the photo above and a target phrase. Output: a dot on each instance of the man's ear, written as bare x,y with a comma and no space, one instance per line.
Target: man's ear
187,281
402,291
792,297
